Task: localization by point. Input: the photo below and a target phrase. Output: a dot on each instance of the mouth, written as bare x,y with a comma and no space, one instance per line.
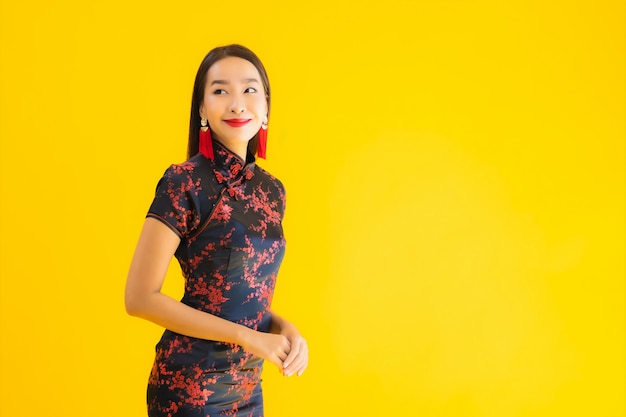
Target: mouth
237,122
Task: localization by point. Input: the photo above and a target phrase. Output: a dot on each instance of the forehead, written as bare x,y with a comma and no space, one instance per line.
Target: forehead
232,69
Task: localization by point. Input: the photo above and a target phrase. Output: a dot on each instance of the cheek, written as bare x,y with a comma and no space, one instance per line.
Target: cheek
260,105
211,105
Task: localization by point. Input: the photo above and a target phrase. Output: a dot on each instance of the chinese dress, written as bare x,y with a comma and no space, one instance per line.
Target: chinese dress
228,215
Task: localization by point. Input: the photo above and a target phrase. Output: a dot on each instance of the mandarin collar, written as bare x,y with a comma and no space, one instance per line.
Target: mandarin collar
230,167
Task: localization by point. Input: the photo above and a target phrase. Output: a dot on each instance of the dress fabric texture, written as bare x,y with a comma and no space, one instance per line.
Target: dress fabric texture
228,215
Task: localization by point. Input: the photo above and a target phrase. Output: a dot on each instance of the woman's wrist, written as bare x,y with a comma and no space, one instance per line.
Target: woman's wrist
277,325
284,327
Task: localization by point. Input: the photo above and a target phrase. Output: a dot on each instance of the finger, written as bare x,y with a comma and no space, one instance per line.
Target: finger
304,362
303,367
299,362
296,367
278,358
282,355
293,353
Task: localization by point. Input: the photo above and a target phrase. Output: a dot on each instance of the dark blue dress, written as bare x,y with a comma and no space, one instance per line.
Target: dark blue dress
228,215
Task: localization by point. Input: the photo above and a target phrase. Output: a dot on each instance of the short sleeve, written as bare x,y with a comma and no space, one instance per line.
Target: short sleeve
176,201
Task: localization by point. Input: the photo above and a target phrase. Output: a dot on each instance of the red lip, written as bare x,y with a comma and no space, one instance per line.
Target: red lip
237,122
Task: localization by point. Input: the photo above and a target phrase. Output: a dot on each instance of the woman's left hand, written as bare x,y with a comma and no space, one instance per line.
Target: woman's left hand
298,357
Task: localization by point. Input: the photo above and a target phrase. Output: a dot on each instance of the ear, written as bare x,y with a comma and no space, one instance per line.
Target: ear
202,111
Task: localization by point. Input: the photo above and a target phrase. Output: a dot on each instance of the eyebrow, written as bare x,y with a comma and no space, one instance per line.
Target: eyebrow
244,81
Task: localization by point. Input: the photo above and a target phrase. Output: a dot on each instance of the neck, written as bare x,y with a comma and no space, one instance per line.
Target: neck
239,148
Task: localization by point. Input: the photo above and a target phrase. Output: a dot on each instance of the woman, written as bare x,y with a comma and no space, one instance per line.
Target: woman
220,215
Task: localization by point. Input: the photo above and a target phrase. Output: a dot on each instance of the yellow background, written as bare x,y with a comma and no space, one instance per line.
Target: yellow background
455,179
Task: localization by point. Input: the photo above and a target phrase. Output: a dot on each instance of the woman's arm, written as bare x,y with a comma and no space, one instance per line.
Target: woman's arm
298,358
143,298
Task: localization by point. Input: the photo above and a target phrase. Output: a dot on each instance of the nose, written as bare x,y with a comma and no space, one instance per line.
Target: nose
237,106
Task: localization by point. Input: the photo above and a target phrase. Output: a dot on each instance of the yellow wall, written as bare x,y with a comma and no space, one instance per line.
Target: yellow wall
455,178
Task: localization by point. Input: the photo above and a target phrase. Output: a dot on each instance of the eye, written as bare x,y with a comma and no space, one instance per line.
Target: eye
250,90
219,91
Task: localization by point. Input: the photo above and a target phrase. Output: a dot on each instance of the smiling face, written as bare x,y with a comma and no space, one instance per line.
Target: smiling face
234,101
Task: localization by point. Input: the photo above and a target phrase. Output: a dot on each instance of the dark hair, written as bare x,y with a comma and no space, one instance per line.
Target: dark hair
197,98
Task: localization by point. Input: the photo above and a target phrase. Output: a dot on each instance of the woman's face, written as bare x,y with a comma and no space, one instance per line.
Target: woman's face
234,100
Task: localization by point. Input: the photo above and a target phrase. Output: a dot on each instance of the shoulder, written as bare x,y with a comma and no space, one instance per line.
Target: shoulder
187,171
184,169
266,177
180,178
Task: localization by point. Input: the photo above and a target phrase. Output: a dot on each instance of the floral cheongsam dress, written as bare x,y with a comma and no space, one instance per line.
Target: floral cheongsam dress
228,215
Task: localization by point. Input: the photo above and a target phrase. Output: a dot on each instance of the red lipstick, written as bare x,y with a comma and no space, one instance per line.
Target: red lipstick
237,122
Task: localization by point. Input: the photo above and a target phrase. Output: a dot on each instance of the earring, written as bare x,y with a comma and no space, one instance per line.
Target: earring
206,144
262,143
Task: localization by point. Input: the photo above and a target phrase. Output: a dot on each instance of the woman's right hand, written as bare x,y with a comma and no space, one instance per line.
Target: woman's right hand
269,346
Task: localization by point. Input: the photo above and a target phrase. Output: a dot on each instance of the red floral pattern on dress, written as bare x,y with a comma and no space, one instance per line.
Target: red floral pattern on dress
229,217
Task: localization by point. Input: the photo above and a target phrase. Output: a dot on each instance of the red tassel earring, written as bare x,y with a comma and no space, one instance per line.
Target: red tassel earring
206,144
262,144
